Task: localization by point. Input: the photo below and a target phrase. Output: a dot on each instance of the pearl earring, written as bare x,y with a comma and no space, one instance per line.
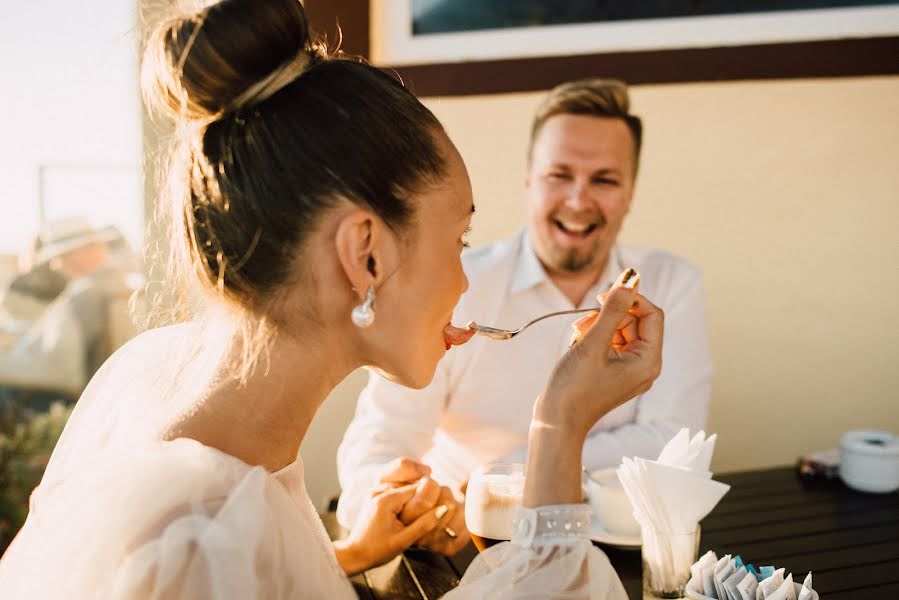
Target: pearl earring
364,314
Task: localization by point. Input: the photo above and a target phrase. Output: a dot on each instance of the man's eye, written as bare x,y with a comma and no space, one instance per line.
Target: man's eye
605,181
559,176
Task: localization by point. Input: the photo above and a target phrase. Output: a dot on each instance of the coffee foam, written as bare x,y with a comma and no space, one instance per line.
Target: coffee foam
491,505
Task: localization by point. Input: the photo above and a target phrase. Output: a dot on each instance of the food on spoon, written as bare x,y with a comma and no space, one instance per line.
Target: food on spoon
456,336
630,279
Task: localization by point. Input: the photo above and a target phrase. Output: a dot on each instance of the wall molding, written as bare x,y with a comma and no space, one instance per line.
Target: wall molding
800,60
854,57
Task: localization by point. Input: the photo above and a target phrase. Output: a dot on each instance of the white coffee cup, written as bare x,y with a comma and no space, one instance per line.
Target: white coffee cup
869,461
610,503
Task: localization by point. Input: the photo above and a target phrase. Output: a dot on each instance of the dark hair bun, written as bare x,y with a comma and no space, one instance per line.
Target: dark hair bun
195,65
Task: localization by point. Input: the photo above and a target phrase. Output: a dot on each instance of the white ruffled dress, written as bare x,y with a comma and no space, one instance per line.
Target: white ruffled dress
122,515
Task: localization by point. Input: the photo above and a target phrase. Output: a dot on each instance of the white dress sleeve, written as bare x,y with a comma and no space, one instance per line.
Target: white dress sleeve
174,520
550,556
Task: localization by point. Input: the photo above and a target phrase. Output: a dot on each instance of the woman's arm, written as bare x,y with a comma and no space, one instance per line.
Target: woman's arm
618,357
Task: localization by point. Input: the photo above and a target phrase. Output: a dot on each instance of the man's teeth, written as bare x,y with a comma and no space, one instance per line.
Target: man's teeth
574,227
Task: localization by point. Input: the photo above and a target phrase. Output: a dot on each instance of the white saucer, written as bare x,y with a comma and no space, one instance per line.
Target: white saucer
600,534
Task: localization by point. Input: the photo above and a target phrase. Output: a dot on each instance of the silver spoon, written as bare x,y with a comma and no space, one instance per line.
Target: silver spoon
495,333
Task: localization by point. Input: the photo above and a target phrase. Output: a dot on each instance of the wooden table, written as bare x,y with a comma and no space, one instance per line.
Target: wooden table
848,540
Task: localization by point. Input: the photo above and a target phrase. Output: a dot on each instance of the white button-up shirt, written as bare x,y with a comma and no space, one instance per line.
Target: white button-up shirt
478,407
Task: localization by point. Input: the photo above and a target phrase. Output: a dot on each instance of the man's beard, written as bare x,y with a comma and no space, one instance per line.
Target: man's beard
573,260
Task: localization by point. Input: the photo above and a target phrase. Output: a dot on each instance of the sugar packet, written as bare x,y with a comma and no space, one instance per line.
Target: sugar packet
769,585
724,569
786,591
748,586
806,592
702,572
731,583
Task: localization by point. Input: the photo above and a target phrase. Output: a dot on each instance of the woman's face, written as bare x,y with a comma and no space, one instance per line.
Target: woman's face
416,302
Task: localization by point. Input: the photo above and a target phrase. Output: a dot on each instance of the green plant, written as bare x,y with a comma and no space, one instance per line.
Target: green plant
26,441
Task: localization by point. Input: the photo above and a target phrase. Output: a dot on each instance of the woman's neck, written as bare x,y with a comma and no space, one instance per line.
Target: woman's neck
264,419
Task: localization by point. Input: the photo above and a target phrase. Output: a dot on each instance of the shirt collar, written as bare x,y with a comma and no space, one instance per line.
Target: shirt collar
614,267
529,271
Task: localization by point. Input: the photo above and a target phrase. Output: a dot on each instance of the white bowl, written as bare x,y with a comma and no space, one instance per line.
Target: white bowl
610,503
869,461
694,595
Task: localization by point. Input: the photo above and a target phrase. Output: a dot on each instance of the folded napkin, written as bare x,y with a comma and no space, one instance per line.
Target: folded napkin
673,493
728,578
670,496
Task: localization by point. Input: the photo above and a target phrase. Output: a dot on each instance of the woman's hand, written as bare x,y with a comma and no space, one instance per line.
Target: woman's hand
618,356
379,534
452,535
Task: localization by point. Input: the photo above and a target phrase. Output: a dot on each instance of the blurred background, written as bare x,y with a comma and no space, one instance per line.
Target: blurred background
771,160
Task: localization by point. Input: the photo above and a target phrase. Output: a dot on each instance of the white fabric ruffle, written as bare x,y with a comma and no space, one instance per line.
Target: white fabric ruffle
119,514
550,556
173,520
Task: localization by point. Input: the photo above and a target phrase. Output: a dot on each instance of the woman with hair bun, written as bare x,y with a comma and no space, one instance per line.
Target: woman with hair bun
317,215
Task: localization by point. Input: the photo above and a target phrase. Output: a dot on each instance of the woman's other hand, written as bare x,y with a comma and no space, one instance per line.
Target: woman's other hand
452,535
379,534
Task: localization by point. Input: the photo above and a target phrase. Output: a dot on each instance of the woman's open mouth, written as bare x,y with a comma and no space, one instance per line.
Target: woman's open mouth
456,336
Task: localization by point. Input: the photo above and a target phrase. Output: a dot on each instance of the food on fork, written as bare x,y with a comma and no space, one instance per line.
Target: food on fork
456,336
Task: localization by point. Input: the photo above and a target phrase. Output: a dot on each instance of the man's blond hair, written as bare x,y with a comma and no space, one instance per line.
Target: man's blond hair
606,98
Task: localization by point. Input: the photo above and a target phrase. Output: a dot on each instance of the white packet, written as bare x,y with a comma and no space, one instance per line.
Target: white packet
724,569
705,563
708,581
786,591
730,584
770,585
806,591
747,587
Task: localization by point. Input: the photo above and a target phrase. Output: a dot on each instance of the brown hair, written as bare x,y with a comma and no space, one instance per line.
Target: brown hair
255,169
592,97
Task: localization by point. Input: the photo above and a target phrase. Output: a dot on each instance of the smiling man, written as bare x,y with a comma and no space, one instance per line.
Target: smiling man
582,166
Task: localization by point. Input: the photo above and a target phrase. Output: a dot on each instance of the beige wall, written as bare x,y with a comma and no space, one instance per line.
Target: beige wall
786,194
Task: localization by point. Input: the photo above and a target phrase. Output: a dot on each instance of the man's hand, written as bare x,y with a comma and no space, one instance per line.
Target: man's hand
403,471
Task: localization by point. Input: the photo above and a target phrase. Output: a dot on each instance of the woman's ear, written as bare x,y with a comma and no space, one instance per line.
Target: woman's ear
358,236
